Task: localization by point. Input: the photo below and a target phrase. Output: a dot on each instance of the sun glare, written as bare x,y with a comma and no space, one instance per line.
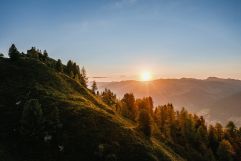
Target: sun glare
146,76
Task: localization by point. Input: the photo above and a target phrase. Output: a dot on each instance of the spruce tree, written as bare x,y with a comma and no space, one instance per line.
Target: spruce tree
59,66
70,68
109,97
231,128
94,87
129,106
144,123
83,77
213,138
45,55
225,151
13,52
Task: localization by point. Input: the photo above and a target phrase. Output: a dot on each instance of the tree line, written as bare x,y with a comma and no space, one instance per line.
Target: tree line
179,128
183,131
71,69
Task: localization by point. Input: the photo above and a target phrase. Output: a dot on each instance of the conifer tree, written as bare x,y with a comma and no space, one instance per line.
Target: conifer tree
34,53
213,138
219,130
129,106
109,97
225,151
144,123
231,128
83,77
94,87
59,66
69,68
45,53
13,52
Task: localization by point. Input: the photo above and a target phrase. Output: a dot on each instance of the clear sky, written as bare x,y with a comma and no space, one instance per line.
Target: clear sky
119,39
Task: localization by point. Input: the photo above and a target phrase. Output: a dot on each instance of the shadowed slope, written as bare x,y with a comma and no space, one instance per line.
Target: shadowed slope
89,129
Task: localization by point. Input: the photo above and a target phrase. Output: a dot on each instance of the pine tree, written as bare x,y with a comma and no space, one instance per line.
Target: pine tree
213,138
225,151
219,130
94,87
34,53
109,97
144,123
129,106
202,135
59,66
83,77
69,68
13,52
1,55
45,55
231,128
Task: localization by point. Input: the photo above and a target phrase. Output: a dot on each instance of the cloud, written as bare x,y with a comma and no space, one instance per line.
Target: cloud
100,77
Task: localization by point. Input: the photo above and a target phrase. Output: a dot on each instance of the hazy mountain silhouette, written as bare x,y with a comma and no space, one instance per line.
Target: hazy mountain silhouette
215,98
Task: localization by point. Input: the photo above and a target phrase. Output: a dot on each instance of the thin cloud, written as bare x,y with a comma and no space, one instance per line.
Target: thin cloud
100,77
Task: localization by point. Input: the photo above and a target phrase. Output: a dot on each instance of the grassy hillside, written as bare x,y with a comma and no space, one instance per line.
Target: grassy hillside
87,129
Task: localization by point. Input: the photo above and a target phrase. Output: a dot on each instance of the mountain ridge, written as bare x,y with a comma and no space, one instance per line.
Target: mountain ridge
194,94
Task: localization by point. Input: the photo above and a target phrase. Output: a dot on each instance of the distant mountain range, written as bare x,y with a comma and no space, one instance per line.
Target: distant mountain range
216,98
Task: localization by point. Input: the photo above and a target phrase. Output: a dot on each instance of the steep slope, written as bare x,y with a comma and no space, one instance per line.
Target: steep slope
87,128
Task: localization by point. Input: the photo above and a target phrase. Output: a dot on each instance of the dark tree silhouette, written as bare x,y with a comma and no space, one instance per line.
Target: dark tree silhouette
129,107
225,151
45,53
1,55
13,52
83,77
109,97
94,87
231,128
144,123
59,66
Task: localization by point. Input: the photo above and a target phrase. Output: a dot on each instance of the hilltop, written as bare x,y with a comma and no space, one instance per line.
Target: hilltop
87,129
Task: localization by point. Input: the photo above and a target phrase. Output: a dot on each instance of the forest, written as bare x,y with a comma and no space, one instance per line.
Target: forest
187,135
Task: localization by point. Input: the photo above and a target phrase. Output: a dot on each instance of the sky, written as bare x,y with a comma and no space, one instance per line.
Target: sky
119,39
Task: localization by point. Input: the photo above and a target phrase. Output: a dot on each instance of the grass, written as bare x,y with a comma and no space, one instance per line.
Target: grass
90,129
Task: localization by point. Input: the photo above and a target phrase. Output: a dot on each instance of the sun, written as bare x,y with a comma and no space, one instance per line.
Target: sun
146,76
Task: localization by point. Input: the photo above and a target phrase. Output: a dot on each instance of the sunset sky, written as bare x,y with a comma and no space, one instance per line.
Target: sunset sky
119,39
